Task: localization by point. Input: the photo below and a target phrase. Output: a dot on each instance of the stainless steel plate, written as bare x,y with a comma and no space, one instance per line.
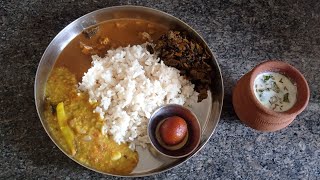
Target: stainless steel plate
208,111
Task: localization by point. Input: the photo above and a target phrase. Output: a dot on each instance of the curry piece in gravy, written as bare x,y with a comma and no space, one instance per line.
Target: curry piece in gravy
77,129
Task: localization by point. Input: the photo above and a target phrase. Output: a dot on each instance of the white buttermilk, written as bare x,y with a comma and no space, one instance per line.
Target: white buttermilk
275,91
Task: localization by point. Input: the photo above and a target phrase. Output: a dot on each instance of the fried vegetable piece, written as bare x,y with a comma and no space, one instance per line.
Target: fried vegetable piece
65,129
178,50
91,31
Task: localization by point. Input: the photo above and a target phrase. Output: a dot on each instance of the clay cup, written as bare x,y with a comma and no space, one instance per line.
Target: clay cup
251,112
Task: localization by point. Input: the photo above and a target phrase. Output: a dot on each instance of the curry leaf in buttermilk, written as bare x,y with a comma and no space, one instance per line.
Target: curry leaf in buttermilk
274,99
275,87
266,78
281,80
286,98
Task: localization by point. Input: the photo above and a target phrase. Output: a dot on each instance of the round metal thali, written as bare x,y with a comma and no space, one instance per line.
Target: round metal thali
208,111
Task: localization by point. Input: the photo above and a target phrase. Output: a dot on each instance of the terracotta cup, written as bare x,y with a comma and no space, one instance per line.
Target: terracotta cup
253,113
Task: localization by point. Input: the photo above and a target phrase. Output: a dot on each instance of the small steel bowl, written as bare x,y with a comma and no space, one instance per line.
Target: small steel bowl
191,141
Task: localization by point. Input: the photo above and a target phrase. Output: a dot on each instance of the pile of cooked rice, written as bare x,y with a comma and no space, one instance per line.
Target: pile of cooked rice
128,84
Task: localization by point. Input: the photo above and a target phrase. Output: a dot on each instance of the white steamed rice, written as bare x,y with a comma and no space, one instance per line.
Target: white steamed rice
129,84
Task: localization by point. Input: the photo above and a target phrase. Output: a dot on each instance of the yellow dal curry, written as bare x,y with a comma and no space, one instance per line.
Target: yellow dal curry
78,130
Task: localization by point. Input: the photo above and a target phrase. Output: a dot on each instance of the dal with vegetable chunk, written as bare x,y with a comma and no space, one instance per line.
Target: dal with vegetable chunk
72,122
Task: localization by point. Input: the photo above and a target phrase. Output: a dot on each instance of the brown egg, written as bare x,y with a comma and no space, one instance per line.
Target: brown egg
173,130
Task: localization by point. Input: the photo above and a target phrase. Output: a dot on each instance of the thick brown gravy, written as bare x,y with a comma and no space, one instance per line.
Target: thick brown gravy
120,32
